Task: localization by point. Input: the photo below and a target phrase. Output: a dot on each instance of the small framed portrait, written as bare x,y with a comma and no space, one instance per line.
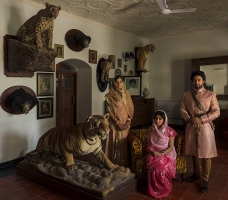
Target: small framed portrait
133,85
45,84
59,48
110,82
92,56
45,108
125,68
118,72
119,63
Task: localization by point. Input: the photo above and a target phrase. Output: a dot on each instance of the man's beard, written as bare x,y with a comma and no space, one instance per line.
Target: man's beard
198,87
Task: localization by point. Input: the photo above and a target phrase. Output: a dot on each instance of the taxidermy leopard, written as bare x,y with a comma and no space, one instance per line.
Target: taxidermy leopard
82,139
38,25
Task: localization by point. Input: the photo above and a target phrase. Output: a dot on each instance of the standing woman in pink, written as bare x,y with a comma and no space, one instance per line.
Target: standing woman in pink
161,156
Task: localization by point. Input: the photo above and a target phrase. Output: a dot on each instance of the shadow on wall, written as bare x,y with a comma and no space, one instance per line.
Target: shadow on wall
8,143
83,87
180,78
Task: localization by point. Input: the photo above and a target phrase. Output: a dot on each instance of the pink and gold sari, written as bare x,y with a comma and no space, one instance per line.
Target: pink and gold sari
162,169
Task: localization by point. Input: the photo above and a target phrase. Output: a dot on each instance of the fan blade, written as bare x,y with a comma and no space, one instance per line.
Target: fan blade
184,10
162,4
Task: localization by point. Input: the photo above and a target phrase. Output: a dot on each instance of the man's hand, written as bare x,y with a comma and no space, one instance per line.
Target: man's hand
194,121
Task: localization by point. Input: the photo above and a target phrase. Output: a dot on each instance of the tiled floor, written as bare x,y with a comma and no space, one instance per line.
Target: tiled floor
13,187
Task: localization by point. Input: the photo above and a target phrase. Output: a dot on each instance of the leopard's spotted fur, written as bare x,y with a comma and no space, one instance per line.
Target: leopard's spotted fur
41,23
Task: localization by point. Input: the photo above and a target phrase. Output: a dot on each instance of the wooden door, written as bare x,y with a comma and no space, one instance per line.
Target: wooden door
66,98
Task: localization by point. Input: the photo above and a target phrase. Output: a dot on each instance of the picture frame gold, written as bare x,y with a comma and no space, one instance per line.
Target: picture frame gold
92,56
45,108
59,48
45,84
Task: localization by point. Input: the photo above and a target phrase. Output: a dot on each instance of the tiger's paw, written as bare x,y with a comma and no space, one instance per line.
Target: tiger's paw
71,167
122,171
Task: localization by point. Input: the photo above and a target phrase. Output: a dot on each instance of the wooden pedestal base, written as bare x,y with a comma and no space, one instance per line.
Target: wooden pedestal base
72,192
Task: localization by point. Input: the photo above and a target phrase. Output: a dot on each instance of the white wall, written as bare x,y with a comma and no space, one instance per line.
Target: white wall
170,64
20,133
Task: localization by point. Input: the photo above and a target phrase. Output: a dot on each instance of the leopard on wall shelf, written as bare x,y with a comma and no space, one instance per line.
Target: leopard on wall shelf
40,25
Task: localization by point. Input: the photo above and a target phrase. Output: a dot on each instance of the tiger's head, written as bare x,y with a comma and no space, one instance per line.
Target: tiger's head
100,125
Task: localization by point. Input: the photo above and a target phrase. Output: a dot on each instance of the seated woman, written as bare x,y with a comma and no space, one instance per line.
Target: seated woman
161,156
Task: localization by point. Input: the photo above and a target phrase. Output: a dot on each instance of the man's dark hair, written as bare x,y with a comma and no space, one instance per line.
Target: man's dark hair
132,81
198,73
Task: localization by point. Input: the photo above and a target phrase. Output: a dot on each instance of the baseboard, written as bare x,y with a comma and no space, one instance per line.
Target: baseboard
11,163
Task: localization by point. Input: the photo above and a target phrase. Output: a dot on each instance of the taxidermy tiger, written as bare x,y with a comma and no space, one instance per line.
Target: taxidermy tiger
143,55
82,139
38,25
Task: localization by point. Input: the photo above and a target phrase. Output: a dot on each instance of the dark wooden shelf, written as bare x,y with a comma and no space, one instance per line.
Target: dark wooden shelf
144,110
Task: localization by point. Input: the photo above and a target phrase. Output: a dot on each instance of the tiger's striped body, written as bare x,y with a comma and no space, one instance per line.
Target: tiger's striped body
82,139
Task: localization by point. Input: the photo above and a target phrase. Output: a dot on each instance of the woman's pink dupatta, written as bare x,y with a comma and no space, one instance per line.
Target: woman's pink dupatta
158,139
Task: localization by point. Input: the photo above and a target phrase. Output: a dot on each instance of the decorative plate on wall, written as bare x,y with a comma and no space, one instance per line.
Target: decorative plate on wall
118,72
131,73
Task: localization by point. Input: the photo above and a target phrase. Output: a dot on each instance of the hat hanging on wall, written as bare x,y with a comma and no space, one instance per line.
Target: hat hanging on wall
77,40
18,100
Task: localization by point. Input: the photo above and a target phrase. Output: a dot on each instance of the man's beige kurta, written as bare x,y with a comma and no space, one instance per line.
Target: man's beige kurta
206,138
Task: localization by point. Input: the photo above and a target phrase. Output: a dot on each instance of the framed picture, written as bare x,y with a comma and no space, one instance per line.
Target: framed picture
133,85
210,87
45,84
119,62
92,56
110,82
125,68
59,48
118,72
45,108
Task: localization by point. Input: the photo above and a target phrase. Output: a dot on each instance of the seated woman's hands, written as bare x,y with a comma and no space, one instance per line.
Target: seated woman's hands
156,153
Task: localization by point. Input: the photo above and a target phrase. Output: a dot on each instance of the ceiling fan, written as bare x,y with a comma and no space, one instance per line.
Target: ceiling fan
165,10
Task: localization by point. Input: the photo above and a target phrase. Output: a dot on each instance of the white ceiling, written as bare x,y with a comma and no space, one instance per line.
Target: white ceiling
143,17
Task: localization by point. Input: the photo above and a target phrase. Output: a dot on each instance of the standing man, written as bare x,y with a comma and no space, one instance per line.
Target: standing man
199,107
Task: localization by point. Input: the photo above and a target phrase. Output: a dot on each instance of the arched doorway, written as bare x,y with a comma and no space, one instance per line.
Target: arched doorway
75,101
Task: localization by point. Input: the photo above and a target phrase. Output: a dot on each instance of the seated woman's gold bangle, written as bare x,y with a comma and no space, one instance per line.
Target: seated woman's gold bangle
129,119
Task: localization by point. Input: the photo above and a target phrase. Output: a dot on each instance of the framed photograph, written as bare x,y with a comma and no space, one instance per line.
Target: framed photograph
45,84
92,56
125,68
119,63
210,87
118,72
45,108
59,48
110,82
133,85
